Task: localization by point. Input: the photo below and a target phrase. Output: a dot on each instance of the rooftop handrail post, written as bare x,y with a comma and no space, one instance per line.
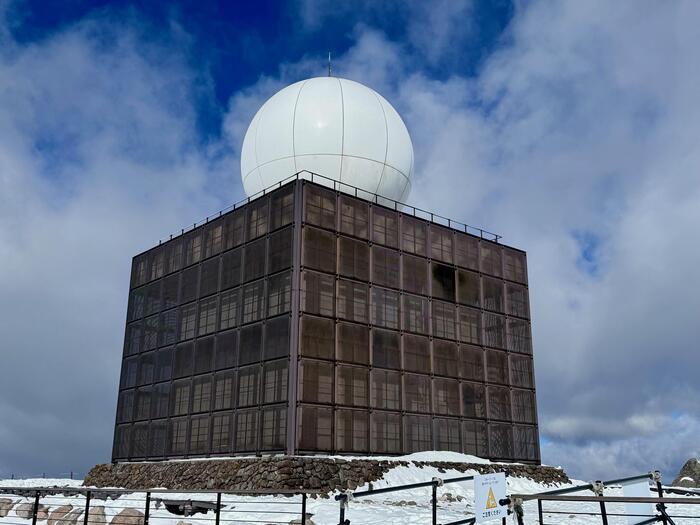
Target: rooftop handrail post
540,514
35,510
88,495
303,509
146,510
218,509
437,482
341,501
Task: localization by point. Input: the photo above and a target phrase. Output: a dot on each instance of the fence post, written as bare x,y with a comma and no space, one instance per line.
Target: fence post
36,508
434,503
539,511
218,508
598,489
147,509
303,509
88,495
656,476
341,500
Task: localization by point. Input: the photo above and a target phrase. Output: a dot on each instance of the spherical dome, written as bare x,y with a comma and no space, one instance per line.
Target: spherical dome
333,127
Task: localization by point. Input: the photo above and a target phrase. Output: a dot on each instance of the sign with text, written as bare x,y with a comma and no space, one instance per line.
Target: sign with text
489,489
638,512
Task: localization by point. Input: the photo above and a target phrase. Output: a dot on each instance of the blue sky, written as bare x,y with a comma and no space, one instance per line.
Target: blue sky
569,128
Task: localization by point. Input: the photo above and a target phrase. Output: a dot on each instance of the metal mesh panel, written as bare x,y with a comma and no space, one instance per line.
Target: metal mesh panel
493,294
223,390
467,251
253,299
445,358
413,235
418,433
443,315
201,394
525,441
415,274
319,206
475,438
274,428
385,389
317,337
441,243
352,385
353,259
354,216
523,406
446,396
226,350
275,376
473,400
497,367
257,218
319,249
385,227
385,308
447,434
247,430
317,293
386,351
351,431
519,338
415,314
500,440
279,252
209,277
282,207
164,364
276,338
180,398
178,437
248,386
213,239
353,343
251,344
231,309
208,313
514,266
443,281
494,330
315,428
517,302
416,390
416,353
279,294
204,355
491,260
234,229
254,260
184,360
386,267
521,371
231,268
352,301
222,433
498,402
316,381
385,433
469,325
471,362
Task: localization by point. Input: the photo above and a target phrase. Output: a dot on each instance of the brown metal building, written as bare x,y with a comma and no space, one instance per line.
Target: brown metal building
309,320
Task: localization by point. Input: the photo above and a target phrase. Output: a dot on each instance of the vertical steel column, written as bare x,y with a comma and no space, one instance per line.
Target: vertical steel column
303,509
36,508
342,500
88,495
147,509
295,320
218,508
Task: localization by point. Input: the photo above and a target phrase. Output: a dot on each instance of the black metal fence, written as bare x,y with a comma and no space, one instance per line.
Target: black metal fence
89,506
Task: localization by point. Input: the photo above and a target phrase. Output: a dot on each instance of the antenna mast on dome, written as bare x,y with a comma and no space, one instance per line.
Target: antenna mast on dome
329,63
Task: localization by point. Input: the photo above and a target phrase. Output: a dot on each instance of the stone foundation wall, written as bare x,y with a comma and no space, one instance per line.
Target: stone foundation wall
284,472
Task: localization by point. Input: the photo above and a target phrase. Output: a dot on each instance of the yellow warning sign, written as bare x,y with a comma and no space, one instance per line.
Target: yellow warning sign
491,500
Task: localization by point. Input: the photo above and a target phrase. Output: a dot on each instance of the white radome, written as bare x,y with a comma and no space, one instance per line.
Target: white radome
333,127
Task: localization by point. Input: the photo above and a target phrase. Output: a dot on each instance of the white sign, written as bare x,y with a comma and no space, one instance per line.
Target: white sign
489,489
638,512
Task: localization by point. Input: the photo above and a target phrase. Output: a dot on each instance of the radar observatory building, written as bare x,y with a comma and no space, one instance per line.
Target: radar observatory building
325,315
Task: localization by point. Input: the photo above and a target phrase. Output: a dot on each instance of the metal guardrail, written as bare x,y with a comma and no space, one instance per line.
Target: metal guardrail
181,503
346,188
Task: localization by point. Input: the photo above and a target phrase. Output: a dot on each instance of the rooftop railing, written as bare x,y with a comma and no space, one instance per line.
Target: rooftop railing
351,190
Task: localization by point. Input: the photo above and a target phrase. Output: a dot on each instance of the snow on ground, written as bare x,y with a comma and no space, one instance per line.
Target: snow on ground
404,507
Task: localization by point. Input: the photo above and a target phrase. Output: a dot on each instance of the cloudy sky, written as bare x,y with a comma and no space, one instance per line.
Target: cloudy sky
571,128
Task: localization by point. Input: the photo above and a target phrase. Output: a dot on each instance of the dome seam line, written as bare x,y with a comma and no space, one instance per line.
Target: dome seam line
386,148
342,130
294,127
